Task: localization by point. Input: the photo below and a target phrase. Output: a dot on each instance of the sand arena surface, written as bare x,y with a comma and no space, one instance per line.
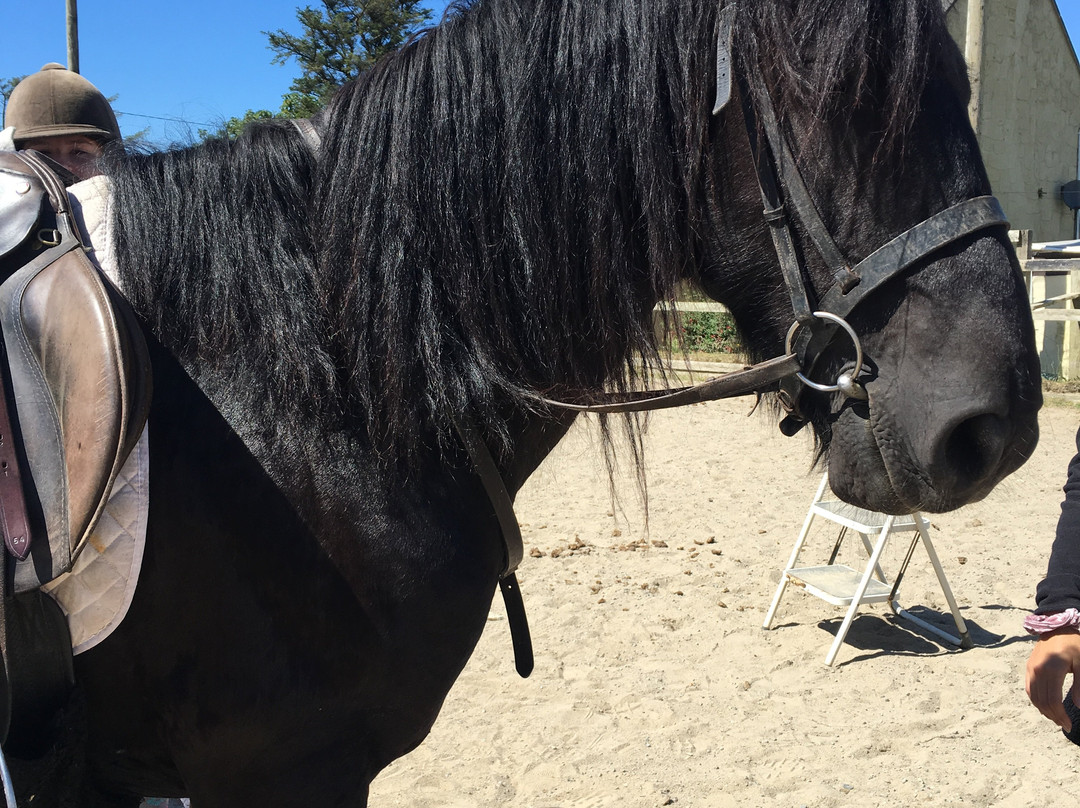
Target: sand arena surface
655,684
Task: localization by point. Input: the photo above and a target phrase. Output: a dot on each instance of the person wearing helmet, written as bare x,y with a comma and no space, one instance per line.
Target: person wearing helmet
63,116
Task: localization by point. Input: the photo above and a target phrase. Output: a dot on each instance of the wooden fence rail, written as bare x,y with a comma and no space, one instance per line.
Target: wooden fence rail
1053,284
691,306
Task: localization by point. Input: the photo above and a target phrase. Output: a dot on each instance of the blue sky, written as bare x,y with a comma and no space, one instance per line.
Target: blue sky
199,62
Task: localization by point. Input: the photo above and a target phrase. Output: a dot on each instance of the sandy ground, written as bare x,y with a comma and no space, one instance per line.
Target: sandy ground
655,684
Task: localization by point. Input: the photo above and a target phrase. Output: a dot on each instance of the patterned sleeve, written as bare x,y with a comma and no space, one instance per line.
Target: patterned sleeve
1060,589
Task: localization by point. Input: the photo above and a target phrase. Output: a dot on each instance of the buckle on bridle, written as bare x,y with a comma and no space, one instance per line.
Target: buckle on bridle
846,279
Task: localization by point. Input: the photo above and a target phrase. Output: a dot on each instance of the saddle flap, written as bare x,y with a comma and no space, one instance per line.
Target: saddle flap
137,376
79,377
77,371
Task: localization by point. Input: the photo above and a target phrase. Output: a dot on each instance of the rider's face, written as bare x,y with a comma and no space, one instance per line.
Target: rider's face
77,153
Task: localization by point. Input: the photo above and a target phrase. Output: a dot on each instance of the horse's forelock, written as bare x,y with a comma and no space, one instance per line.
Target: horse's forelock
833,56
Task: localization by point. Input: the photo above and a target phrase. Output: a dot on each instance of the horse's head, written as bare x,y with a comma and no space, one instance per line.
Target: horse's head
871,102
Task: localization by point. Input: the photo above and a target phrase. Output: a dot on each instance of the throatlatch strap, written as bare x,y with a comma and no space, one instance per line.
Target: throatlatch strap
488,472
725,28
519,624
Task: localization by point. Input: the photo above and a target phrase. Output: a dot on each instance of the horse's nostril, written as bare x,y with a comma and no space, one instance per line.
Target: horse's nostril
973,450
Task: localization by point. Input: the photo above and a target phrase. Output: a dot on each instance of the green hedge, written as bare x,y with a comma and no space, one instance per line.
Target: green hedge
709,332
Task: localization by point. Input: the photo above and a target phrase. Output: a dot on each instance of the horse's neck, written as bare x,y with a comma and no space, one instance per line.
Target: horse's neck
532,439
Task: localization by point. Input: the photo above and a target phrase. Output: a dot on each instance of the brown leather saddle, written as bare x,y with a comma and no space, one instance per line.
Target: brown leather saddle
75,372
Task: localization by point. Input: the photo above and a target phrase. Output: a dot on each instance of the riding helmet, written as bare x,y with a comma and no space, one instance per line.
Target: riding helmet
55,101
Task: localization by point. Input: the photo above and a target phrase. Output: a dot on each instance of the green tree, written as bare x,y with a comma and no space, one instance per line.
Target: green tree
6,86
234,126
339,42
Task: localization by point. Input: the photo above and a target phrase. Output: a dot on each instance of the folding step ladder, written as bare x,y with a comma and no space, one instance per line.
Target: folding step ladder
842,585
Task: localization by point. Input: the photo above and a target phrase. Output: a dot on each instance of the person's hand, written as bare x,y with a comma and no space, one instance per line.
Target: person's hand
1054,656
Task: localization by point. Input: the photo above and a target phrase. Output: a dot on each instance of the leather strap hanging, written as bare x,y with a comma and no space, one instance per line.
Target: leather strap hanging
14,521
488,472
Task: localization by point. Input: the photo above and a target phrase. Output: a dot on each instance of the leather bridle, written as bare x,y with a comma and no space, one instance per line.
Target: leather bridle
815,325
784,194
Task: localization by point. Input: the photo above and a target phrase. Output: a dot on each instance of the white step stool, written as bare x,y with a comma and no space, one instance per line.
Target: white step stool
841,585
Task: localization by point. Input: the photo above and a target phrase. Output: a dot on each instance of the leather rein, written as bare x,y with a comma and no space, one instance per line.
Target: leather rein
814,326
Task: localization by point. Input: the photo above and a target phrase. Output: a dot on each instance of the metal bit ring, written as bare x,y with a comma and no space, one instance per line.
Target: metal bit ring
846,383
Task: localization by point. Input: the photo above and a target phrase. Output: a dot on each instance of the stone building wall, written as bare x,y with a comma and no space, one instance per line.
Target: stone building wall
1026,109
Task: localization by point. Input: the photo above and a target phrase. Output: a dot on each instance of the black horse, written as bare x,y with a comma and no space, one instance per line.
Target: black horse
492,215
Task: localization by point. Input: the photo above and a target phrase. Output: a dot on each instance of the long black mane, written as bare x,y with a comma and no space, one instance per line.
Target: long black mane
496,208
834,56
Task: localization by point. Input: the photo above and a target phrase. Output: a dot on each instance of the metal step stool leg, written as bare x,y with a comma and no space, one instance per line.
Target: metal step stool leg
794,559
964,638
860,590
